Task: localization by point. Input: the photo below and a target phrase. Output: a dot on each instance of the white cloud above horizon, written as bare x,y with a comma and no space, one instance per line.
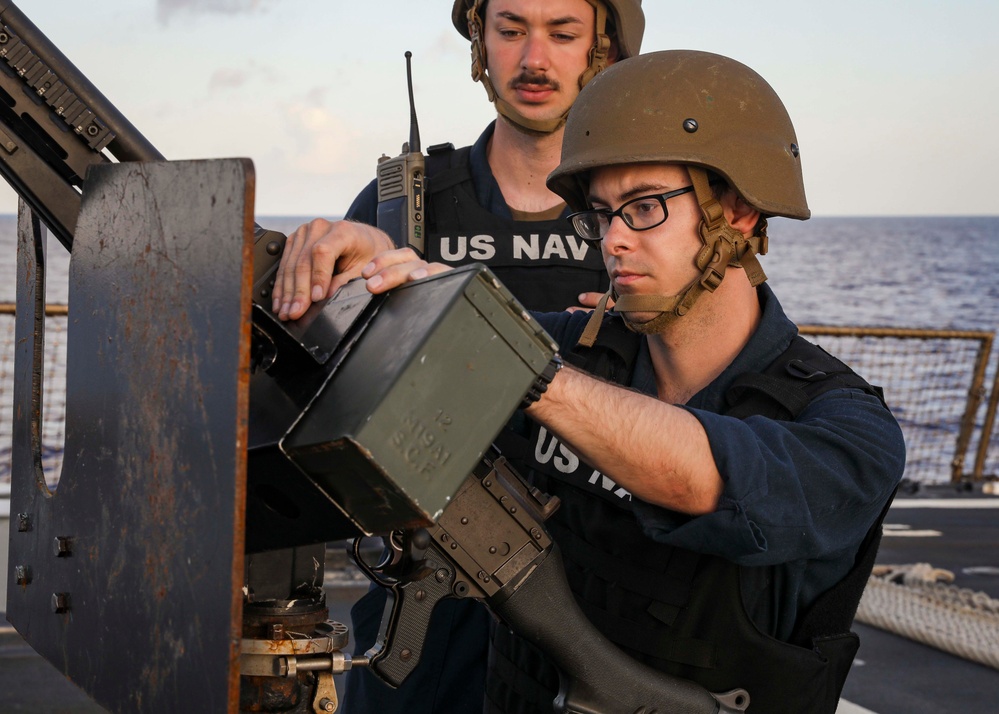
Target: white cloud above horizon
166,10
892,102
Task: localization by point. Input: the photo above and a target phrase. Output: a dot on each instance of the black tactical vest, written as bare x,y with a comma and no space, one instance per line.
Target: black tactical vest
543,263
678,611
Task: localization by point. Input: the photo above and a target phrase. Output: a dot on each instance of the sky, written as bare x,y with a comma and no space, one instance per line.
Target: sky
894,102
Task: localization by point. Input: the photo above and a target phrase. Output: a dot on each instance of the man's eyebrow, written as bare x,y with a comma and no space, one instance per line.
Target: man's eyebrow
641,189
512,17
566,20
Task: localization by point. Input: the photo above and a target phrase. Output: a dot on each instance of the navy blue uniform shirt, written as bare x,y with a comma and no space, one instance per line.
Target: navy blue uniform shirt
801,494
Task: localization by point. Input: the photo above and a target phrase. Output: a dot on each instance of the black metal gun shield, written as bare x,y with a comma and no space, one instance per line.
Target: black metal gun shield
130,572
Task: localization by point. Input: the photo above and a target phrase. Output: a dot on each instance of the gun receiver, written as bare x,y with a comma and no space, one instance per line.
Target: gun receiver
490,544
400,185
357,425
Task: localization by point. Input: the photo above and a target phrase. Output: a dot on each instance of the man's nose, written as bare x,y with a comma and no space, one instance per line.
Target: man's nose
619,237
535,53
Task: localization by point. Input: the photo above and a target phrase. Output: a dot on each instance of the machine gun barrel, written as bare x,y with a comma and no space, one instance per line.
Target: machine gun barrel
127,144
54,124
596,677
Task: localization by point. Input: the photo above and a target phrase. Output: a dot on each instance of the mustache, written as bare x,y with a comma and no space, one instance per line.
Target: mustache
537,79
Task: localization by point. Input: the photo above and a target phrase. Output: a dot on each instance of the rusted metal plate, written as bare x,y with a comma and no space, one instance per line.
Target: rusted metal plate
132,570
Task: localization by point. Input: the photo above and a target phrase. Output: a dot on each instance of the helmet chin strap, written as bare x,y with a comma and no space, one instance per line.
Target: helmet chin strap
598,61
721,247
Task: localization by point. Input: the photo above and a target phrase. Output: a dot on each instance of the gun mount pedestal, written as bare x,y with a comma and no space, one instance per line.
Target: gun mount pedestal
130,575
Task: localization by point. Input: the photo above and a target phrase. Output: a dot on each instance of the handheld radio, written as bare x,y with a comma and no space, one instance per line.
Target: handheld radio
400,185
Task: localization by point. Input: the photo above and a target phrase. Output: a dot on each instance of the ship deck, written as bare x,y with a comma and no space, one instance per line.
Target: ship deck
956,532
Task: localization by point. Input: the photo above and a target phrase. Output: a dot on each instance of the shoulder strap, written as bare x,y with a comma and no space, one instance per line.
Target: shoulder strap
612,356
446,166
800,374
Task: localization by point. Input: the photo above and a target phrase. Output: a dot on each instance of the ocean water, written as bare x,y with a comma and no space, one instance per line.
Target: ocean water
934,273
902,272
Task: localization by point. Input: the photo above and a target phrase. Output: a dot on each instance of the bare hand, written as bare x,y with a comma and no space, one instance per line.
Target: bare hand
395,267
588,301
319,257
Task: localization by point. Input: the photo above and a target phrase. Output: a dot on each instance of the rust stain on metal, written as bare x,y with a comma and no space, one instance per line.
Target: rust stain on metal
157,476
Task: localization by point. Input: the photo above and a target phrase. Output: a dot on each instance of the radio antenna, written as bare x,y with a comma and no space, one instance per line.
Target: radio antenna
414,127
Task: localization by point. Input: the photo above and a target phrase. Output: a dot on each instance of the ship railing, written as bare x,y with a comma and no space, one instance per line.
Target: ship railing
935,382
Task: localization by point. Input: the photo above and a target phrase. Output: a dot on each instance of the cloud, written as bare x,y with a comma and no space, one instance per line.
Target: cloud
166,9
323,142
447,44
232,79
227,78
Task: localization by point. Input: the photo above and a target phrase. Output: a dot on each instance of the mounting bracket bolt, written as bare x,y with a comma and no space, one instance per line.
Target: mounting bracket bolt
62,546
22,574
60,603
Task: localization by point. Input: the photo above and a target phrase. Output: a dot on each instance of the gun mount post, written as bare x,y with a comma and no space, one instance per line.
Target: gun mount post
149,509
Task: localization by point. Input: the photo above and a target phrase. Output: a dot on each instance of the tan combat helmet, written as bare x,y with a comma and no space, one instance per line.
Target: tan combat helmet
703,110
626,25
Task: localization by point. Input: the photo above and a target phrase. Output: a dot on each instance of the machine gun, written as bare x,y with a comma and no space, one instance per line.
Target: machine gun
318,453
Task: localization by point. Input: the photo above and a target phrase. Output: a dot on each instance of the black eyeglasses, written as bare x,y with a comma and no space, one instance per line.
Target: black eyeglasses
639,214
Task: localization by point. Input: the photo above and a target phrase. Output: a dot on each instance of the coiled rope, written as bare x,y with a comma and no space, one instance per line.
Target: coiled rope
920,602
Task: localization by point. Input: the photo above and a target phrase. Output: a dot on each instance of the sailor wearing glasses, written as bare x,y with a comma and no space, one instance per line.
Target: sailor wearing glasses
722,480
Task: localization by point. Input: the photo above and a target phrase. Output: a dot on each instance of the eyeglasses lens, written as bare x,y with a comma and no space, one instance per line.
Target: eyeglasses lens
591,225
644,213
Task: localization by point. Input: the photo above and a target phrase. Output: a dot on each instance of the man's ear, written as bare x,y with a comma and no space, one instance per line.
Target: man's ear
613,52
740,215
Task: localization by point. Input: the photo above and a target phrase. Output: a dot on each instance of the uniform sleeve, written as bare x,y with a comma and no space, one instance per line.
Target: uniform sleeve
805,489
364,209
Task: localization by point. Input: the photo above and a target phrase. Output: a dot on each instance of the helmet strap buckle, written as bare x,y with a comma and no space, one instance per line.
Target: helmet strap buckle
718,256
601,48
723,244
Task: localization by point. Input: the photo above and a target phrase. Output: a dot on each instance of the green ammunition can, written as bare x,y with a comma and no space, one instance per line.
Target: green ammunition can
428,383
